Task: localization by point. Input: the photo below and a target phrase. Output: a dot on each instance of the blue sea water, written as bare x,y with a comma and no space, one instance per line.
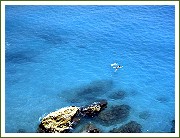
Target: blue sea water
53,52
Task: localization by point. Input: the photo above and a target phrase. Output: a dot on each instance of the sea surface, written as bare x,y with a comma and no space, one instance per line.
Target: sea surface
53,54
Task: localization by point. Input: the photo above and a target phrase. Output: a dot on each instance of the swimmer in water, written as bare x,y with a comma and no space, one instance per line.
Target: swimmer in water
118,67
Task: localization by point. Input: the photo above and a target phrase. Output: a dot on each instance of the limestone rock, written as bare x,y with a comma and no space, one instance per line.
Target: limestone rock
59,121
64,119
93,109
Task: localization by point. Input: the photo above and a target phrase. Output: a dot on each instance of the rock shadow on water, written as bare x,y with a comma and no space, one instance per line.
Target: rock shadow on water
114,114
131,127
87,93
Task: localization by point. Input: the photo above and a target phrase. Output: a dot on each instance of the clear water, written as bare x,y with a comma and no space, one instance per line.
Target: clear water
52,52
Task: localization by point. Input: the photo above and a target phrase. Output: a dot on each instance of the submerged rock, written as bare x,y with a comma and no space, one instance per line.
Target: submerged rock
114,114
118,95
88,92
90,128
59,121
173,126
93,109
131,127
21,131
144,115
162,99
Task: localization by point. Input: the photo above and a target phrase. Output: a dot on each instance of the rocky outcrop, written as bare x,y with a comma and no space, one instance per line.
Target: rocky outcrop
131,127
64,119
59,121
93,109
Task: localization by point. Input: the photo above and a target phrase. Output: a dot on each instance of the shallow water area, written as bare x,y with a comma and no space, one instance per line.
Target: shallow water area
58,56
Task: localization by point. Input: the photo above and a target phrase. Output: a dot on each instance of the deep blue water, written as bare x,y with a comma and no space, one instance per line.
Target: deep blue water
53,52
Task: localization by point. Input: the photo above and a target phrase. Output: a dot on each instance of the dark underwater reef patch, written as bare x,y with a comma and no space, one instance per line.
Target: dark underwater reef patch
131,127
96,87
90,128
21,131
114,114
144,115
20,57
88,93
51,38
162,99
173,126
117,94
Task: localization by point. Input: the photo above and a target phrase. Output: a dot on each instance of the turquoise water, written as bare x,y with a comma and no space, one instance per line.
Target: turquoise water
54,51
